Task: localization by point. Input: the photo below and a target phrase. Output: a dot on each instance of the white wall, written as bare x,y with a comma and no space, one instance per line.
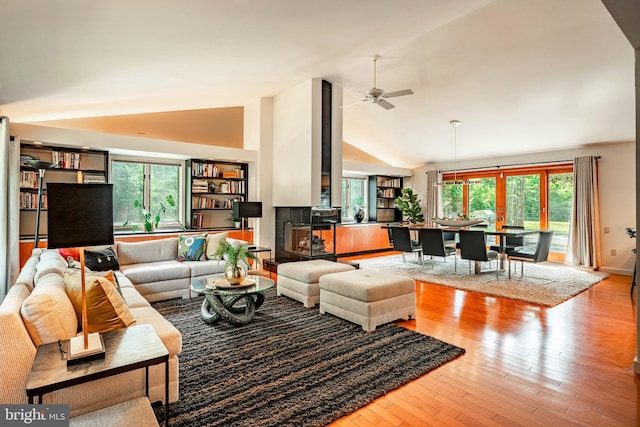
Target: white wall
616,172
258,135
296,167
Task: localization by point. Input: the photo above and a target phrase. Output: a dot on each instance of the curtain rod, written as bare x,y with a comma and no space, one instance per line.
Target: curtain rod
555,162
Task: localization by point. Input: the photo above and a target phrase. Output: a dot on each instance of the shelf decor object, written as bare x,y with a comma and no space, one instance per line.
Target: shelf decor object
42,168
81,215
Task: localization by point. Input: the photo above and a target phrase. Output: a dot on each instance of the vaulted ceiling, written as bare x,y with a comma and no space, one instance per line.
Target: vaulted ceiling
521,75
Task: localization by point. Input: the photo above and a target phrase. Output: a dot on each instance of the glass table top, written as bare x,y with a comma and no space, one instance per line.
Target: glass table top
209,286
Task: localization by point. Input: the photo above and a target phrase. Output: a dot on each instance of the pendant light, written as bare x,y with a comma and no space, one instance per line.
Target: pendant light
455,126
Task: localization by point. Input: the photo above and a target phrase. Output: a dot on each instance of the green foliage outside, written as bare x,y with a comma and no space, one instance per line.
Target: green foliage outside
523,199
128,191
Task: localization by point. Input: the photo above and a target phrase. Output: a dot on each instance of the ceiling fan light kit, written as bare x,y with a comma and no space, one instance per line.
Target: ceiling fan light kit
379,96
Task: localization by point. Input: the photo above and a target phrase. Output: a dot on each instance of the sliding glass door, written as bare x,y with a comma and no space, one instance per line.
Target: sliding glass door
538,198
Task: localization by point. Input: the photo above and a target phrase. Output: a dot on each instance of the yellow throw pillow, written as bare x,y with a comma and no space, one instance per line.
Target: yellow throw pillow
213,241
106,310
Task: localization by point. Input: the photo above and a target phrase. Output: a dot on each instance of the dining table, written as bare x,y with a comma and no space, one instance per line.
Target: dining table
501,233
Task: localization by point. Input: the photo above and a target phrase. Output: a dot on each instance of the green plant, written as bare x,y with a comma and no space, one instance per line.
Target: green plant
151,222
409,205
234,218
235,253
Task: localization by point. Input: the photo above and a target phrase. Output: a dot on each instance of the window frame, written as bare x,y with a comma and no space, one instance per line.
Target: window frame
180,196
345,214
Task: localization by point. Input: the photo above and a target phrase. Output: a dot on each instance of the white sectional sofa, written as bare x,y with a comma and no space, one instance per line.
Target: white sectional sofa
37,310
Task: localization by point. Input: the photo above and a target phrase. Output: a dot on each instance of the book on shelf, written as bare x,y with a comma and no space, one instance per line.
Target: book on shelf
197,220
29,179
30,201
199,186
66,160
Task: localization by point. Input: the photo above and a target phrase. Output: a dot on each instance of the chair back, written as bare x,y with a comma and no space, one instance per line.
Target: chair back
543,246
511,240
401,239
432,241
473,245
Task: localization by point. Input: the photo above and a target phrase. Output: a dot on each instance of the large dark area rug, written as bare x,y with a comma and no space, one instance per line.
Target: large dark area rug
290,366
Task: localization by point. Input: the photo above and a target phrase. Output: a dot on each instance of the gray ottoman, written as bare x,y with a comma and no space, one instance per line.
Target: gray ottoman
368,298
299,280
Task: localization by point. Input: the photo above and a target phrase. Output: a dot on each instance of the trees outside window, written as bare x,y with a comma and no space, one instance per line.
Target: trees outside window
536,197
149,184
354,195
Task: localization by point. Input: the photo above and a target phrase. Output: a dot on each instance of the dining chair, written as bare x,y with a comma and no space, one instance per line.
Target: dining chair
473,247
433,244
512,243
540,254
401,240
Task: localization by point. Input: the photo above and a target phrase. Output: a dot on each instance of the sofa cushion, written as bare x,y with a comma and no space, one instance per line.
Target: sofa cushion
155,271
28,272
106,310
48,313
50,262
74,253
191,248
18,351
203,268
170,336
213,241
101,259
147,252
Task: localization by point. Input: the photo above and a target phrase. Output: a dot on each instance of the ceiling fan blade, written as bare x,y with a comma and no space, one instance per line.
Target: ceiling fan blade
354,103
398,93
385,104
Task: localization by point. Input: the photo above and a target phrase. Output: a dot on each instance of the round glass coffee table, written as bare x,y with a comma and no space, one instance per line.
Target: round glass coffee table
235,304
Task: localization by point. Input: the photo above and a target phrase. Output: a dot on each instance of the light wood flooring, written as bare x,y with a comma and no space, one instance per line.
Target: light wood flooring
570,365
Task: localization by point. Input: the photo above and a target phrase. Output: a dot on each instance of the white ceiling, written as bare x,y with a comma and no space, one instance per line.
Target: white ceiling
521,75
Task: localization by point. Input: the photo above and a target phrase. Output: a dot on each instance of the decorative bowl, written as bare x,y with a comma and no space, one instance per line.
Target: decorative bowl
457,222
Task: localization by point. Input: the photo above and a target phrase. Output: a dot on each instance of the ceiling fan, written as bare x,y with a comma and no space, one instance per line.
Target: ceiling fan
379,96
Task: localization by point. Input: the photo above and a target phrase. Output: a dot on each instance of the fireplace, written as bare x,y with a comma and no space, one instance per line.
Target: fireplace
305,233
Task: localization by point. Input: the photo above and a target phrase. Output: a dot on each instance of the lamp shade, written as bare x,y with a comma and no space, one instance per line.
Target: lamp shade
79,215
247,209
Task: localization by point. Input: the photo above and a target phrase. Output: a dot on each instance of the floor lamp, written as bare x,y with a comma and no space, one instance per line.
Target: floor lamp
81,215
247,210
42,168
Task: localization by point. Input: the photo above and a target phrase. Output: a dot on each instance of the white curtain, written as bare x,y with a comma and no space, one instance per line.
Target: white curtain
432,197
9,209
583,248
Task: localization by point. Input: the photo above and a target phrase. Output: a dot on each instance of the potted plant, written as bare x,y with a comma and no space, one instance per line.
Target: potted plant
236,256
237,221
409,205
151,222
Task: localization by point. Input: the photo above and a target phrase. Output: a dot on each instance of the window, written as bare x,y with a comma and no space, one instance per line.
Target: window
354,196
150,184
536,197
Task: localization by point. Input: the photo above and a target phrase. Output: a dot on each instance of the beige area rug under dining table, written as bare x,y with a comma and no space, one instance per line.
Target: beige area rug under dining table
546,284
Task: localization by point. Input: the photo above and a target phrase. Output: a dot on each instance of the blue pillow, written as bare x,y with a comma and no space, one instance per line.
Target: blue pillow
191,248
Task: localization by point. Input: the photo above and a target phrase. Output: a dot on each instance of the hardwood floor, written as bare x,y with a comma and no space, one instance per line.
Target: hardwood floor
570,365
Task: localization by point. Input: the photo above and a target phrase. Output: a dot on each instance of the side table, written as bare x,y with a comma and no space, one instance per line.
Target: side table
257,249
126,350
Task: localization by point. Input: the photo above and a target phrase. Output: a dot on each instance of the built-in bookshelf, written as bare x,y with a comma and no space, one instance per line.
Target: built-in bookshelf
73,165
383,190
214,186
